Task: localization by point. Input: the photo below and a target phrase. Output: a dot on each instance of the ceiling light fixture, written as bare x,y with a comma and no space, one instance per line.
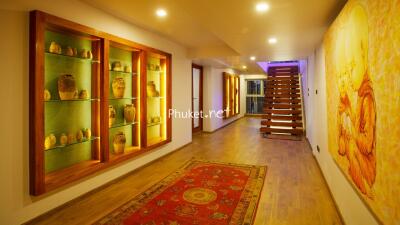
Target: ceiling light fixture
272,40
244,67
262,7
161,13
252,58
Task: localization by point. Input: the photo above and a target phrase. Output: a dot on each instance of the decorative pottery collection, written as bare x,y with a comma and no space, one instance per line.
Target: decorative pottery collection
119,142
154,67
151,89
56,48
81,135
67,87
153,119
129,113
112,114
118,87
118,67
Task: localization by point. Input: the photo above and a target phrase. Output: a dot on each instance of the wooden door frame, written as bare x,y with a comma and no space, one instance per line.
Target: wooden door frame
200,127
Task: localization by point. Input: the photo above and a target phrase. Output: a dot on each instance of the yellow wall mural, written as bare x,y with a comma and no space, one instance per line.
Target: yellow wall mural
362,60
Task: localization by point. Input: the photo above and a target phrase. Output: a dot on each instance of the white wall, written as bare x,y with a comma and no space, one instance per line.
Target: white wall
351,207
213,97
17,206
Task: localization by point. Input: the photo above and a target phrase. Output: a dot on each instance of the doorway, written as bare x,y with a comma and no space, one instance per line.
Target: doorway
197,97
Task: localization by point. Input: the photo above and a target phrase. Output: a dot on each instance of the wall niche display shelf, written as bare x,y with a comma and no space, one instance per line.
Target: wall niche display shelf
231,93
95,100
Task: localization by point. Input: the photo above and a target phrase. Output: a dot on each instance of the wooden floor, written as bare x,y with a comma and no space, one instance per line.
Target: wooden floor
294,190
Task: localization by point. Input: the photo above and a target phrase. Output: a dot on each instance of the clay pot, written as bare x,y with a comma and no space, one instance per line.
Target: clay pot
118,87
116,66
70,138
47,95
89,55
129,113
155,119
67,87
111,115
63,139
75,52
50,141
83,94
119,143
87,133
55,48
151,89
127,69
69,51
79,136
83,54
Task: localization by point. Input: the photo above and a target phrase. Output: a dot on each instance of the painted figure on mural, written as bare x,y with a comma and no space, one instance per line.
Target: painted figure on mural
356,110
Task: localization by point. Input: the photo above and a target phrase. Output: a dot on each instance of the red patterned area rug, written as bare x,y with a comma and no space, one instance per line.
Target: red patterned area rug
201,192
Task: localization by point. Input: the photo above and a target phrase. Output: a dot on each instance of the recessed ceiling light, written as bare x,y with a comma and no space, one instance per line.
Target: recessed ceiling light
244,67
161,13
272,40
252,58
262,7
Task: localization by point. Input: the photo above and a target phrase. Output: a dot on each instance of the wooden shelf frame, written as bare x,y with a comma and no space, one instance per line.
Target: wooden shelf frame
42,182
230,95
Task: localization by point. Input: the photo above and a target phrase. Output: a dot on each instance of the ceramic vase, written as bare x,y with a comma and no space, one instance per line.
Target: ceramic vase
129,113
67,87
47,95
111,115
116,66
119,142
151,89
118,87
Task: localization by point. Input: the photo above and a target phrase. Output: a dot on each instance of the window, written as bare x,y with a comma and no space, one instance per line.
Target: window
255,96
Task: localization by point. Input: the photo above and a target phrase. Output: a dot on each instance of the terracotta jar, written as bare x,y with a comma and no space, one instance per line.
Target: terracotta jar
119,142
151,89
117,66
55,48
129,113
111,115
67,87
118,87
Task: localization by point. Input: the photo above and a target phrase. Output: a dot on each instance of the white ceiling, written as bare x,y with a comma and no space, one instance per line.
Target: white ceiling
225,33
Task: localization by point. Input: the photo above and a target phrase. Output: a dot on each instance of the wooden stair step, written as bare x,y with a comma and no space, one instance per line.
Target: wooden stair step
274,87
283,75
281,100
277,117
282,106
293,78
281,124
282,111
280,91
281,83
277,130
283,96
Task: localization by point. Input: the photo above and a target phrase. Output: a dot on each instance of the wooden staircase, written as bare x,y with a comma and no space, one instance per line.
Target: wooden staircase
282,103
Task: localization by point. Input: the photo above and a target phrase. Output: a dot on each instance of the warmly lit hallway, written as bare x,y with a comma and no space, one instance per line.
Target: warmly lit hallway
294,191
